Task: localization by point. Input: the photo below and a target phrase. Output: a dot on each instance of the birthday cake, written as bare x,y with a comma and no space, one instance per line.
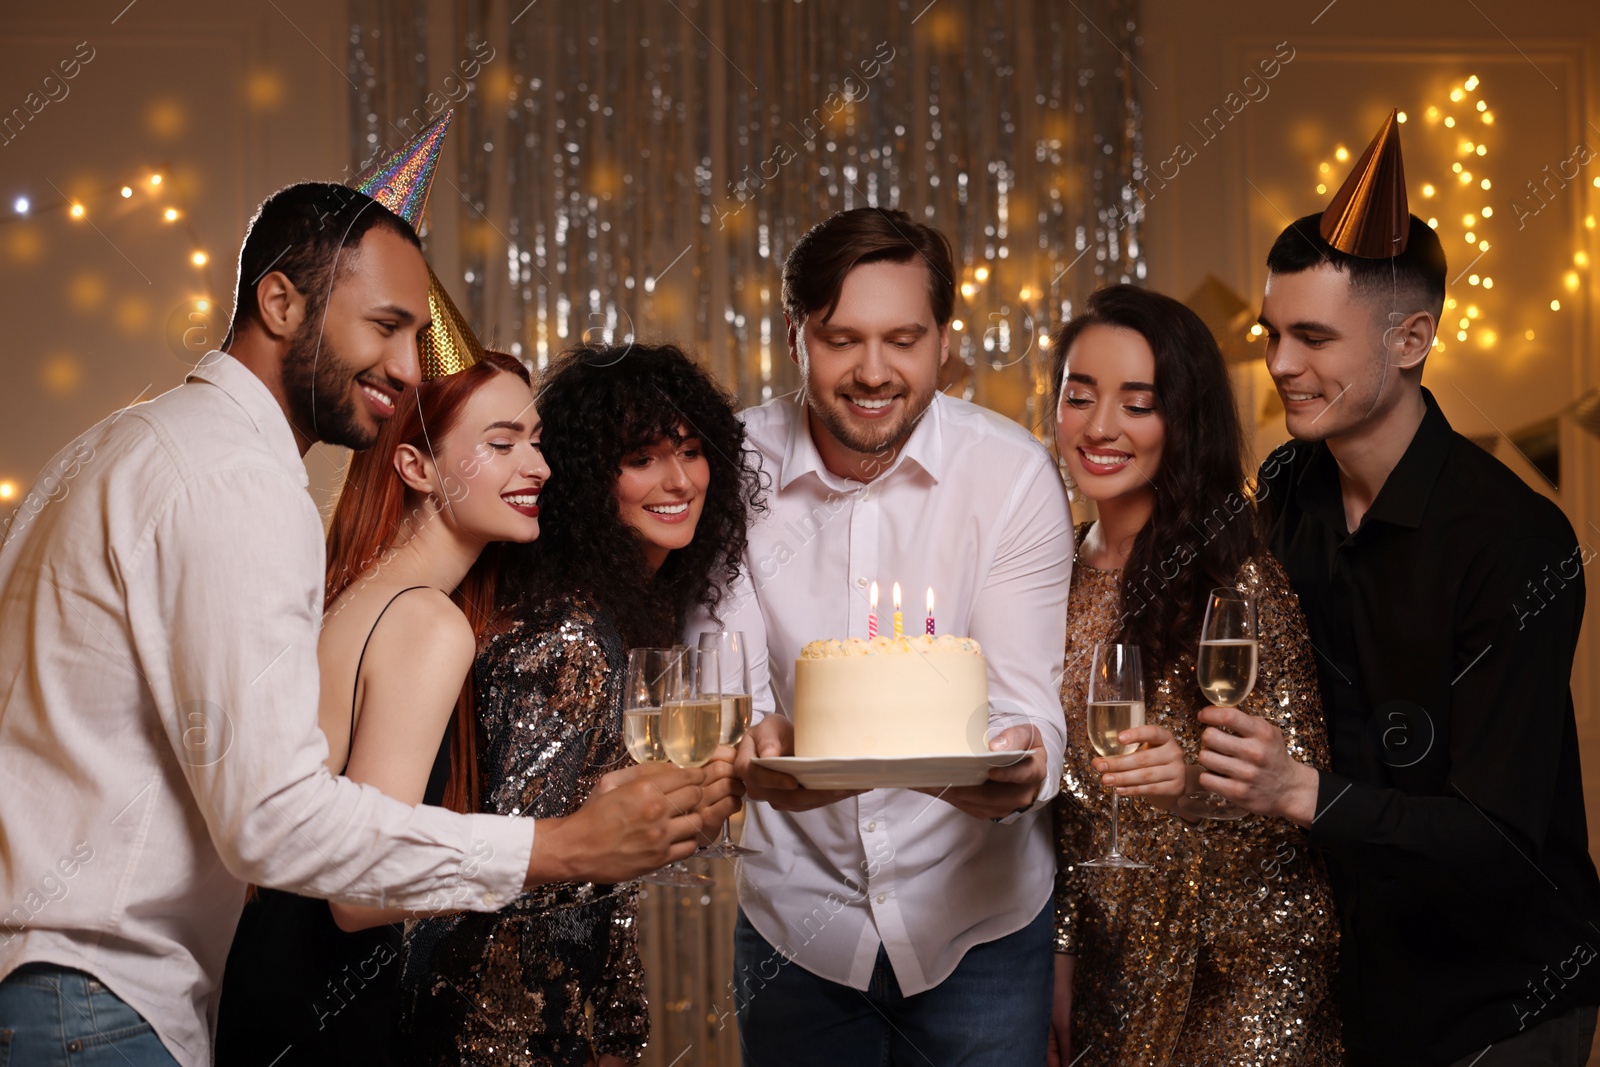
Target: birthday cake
891,696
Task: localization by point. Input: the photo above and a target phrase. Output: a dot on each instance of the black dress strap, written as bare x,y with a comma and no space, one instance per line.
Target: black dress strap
356,685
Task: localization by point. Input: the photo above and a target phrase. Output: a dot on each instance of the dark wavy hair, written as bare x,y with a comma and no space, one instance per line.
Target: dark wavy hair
1203,526
598,404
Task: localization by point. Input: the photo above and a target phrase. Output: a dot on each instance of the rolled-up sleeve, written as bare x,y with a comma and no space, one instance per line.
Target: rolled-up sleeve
225,611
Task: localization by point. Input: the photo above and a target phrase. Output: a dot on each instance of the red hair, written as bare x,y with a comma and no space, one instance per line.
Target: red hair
371,516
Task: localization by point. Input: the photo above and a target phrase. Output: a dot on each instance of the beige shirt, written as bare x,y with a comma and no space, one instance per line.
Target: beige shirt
160,598
974,507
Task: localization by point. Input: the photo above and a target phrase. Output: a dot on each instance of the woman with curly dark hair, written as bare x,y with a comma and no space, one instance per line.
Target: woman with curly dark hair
643,519
1222,950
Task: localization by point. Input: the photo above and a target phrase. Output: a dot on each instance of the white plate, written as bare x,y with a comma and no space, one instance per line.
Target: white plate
892,772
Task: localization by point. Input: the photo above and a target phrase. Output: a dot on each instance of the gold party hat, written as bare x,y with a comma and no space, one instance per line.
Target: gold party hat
401,180
1369,216
449,345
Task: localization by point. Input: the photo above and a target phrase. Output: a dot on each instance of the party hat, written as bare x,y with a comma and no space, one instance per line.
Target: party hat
449,345
1369,216
400,180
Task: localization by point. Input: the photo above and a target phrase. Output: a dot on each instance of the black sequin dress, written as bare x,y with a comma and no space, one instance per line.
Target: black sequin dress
554,977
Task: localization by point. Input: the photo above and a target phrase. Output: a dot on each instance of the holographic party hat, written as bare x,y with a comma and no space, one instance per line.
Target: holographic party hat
400,180
1369,216
449,345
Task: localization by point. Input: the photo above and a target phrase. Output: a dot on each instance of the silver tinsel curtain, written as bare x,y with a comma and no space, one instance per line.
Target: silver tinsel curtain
640,168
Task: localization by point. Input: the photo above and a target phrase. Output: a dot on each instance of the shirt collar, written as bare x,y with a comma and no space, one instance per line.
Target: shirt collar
925,448
1403,500
259,405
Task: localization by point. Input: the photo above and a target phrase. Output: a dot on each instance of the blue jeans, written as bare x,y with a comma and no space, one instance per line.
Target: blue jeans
54,1016
993,1010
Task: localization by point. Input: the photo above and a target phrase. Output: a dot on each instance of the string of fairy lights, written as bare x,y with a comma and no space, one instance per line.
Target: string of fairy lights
149,189
1465,112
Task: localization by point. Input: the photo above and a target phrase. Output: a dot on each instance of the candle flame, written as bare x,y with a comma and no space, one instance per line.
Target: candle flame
897,596
873,600
930,600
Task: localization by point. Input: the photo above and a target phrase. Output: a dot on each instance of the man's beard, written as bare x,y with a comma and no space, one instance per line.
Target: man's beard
875,441
316,384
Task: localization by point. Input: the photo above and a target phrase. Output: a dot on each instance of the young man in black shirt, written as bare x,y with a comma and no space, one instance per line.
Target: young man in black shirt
1444,599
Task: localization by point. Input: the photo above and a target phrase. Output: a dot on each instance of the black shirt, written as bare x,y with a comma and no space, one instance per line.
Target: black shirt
1452,821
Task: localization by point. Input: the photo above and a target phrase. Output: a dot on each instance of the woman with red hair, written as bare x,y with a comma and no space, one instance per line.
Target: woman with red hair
413,551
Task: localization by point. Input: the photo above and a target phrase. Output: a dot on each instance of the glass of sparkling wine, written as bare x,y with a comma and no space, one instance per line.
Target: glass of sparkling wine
1116,703
1226,668
646,689
734,658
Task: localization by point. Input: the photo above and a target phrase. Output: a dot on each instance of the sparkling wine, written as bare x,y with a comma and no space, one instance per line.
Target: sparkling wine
1227,670
1107,719
735,717
641,732
691,730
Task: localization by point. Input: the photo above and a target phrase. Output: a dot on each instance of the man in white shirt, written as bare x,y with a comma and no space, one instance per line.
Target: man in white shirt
160,599
896,926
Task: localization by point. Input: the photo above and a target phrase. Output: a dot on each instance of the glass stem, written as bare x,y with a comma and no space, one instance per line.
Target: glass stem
1115,851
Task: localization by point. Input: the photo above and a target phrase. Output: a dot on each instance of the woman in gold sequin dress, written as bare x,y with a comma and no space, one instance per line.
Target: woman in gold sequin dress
643,517
1222,953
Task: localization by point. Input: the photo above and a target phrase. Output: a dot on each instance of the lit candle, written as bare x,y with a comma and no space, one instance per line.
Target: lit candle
930,611
899,620
872,613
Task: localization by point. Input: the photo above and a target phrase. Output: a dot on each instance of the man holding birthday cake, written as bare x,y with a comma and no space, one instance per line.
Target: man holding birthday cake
896,925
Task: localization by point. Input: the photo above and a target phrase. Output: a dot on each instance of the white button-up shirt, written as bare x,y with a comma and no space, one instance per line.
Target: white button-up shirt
973,506
160,600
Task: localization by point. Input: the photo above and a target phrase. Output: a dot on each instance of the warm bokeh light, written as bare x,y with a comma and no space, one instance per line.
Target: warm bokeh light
1482,106
982,274
1433,112
1485,184
1341,153
77,211
171,214
1481,150
1427,190
1570,280
1472,311
198,259
1488,282
1321,188
1469,220
1528,335
1488,118
8,489
1471,82
1488,212
1456,95
969,290
1472,279
202,305
1448,121
126,192
956,324
1025,294
1433,223
1401,117
155,179
1456,167
1581,258
1555,305
20,205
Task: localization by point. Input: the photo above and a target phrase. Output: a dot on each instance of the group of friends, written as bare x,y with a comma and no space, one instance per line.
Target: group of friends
281,794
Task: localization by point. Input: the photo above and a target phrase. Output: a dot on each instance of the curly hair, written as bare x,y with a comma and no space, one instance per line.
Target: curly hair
598,404
1202,528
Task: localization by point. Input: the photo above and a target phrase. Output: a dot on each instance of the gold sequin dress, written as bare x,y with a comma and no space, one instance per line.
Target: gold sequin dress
1223,953
555,977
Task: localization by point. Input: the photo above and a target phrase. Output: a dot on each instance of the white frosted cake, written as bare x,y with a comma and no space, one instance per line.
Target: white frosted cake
891,696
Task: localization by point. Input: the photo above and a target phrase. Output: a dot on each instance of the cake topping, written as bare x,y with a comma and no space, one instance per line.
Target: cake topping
877,646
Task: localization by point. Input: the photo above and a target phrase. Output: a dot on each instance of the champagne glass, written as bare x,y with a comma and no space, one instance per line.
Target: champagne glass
1116,703
734,658
1226,669
648,685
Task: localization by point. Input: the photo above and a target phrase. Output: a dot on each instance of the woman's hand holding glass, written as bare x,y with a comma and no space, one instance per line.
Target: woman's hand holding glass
1158,771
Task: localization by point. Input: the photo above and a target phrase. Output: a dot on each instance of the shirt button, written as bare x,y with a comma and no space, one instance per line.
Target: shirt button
491,899
882,898
871,826
861,583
